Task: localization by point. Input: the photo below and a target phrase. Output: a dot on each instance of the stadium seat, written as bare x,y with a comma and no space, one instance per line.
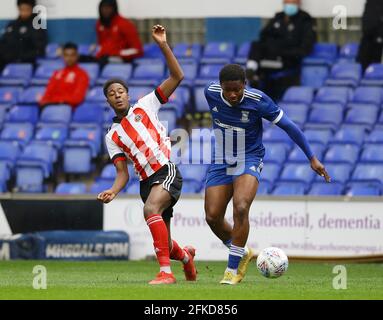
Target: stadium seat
318,136
152,54
52,51
196,153
270,172
349,134
326,189
187,51
4,176
108,173
242,53
32,95
9,152
87,115
178,101
299,95
322,54
95,95
19,132
85,137
274,134
115,70
345,74
264,188
325,115
60,113
3,112
372,153
363,189
368,172
43,74
297,155
349,51
314,76
366,114
208,73
346,153
297,112
373,76
77,157
86,49
54,134
99,186
148,74
10,95
275,152
363,95
190,186
133,188
201,104
23,113
168,118
297,172
218,52
196,172
339,172
190,69
29,179
375,136
16,74
289,189
333,95
71,188
92,69
138,92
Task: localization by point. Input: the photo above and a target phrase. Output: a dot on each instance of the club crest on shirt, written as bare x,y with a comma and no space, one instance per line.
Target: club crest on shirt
138,118
245,116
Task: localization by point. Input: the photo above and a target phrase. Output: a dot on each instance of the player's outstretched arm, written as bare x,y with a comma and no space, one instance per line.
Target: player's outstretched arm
175,71
120,182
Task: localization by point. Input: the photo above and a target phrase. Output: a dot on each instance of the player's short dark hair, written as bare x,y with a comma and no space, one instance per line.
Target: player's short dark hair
70,45
232,72
32,3
111,81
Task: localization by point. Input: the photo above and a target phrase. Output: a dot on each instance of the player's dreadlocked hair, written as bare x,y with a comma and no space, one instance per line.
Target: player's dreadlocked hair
232,72
111,81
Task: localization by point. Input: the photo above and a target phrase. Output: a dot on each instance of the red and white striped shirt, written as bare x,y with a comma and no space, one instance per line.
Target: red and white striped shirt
140,136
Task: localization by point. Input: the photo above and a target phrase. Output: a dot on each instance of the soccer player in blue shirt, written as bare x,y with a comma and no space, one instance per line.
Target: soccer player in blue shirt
237,115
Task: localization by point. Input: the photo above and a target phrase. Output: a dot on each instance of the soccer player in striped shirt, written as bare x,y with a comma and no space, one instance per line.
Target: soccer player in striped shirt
235,172
138,134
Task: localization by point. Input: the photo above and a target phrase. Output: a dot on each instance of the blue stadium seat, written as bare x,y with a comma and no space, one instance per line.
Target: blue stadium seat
297,155
92,69
132,173
218,52
274,134
4,176
349,134
96,95
314,76
54,134
364,95
363,189
152,54
197,153
380,120
201,104
16,74
71,188
322,54
10,94
373,76
168,118
372,153
368,172
349,51
32,95
3,112
178,101
299,95
339,172
43,74
190,70
148,74
318,136
115,70
333,95
9,152
187,51
20,132
297,112
275,152
23,113
86,49
264,188
270,172
77,158
242,53
325,115
60,113
87,115
138,92
208,73
52,51
375,136
345,74
289,189
38,155
346,153
109,172
297,172
366,114
87,137
99,186
196,172
29,179
190,186
133,188
326,189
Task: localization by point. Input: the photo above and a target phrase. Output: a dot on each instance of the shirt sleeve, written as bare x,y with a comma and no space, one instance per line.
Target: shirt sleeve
153,100
270,110
115,153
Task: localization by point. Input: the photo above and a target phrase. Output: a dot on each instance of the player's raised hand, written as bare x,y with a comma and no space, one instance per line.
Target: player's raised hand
106,196
159,34
319,168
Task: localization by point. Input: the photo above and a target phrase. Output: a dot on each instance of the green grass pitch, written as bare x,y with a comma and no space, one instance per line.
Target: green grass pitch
128,280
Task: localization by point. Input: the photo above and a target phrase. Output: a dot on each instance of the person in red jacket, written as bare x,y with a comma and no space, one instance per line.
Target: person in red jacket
117,37
68,85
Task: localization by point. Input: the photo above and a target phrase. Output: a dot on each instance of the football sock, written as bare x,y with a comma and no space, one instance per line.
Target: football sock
177,253
235,256
227,243
160,241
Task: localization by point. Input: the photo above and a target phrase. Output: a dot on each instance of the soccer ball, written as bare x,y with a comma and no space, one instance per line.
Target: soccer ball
272,262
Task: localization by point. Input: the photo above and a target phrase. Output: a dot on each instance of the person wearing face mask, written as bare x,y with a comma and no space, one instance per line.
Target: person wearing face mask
20,41
274,61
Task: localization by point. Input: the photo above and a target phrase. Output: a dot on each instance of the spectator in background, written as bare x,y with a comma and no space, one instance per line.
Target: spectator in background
21,42
274,61
117,37
68,85
371,45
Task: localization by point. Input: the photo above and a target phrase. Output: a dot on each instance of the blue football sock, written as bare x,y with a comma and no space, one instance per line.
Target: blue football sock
235,256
